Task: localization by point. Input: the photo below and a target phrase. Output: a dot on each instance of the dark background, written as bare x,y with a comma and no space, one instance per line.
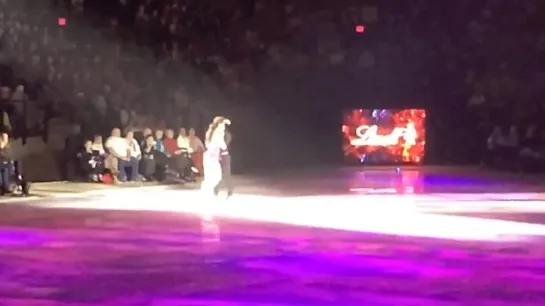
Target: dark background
284,70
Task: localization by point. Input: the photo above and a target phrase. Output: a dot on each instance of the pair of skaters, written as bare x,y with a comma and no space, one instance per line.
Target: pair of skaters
216,159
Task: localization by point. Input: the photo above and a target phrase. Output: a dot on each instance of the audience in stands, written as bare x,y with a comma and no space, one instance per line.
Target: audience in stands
99,78
511,151
127,160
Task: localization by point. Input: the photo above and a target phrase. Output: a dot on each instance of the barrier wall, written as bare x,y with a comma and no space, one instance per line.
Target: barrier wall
40,160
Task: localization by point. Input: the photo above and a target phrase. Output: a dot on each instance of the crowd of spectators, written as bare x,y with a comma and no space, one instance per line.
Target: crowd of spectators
509,149
83,73
138,64
142,156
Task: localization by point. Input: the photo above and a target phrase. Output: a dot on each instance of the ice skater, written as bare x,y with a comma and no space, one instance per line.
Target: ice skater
225,161
215,145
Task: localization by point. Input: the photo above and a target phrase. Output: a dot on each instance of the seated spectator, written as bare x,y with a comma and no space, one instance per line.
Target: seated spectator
171,144
503,148
118,155
195,143
6,163
145,133
148,165
159,142
179,161
98,146
197,149
531,142
183,140
161,158
135,155
19,184
531,156
11,177
190,146
92,162
491,143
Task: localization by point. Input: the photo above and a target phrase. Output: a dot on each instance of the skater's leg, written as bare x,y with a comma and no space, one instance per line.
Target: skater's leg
212,177
226,174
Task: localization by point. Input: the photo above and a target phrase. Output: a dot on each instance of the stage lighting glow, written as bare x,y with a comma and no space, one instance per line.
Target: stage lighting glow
376,214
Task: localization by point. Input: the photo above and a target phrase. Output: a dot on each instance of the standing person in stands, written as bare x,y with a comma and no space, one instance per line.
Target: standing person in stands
225,160
215,144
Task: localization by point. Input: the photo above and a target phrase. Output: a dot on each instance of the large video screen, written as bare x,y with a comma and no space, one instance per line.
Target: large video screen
384,136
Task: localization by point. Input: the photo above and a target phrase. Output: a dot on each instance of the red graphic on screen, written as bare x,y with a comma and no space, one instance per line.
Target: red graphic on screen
385,136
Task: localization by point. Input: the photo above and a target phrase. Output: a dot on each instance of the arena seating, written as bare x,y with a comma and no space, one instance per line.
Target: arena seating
165,64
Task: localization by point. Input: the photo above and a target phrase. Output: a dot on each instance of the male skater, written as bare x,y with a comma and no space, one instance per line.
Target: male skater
225,162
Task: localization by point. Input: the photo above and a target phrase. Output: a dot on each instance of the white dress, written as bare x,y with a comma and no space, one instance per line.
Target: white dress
211,163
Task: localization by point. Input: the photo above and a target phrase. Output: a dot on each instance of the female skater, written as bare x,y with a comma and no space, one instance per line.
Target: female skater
215,143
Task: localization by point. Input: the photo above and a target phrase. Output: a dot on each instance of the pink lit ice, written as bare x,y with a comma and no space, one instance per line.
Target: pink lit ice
390,215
